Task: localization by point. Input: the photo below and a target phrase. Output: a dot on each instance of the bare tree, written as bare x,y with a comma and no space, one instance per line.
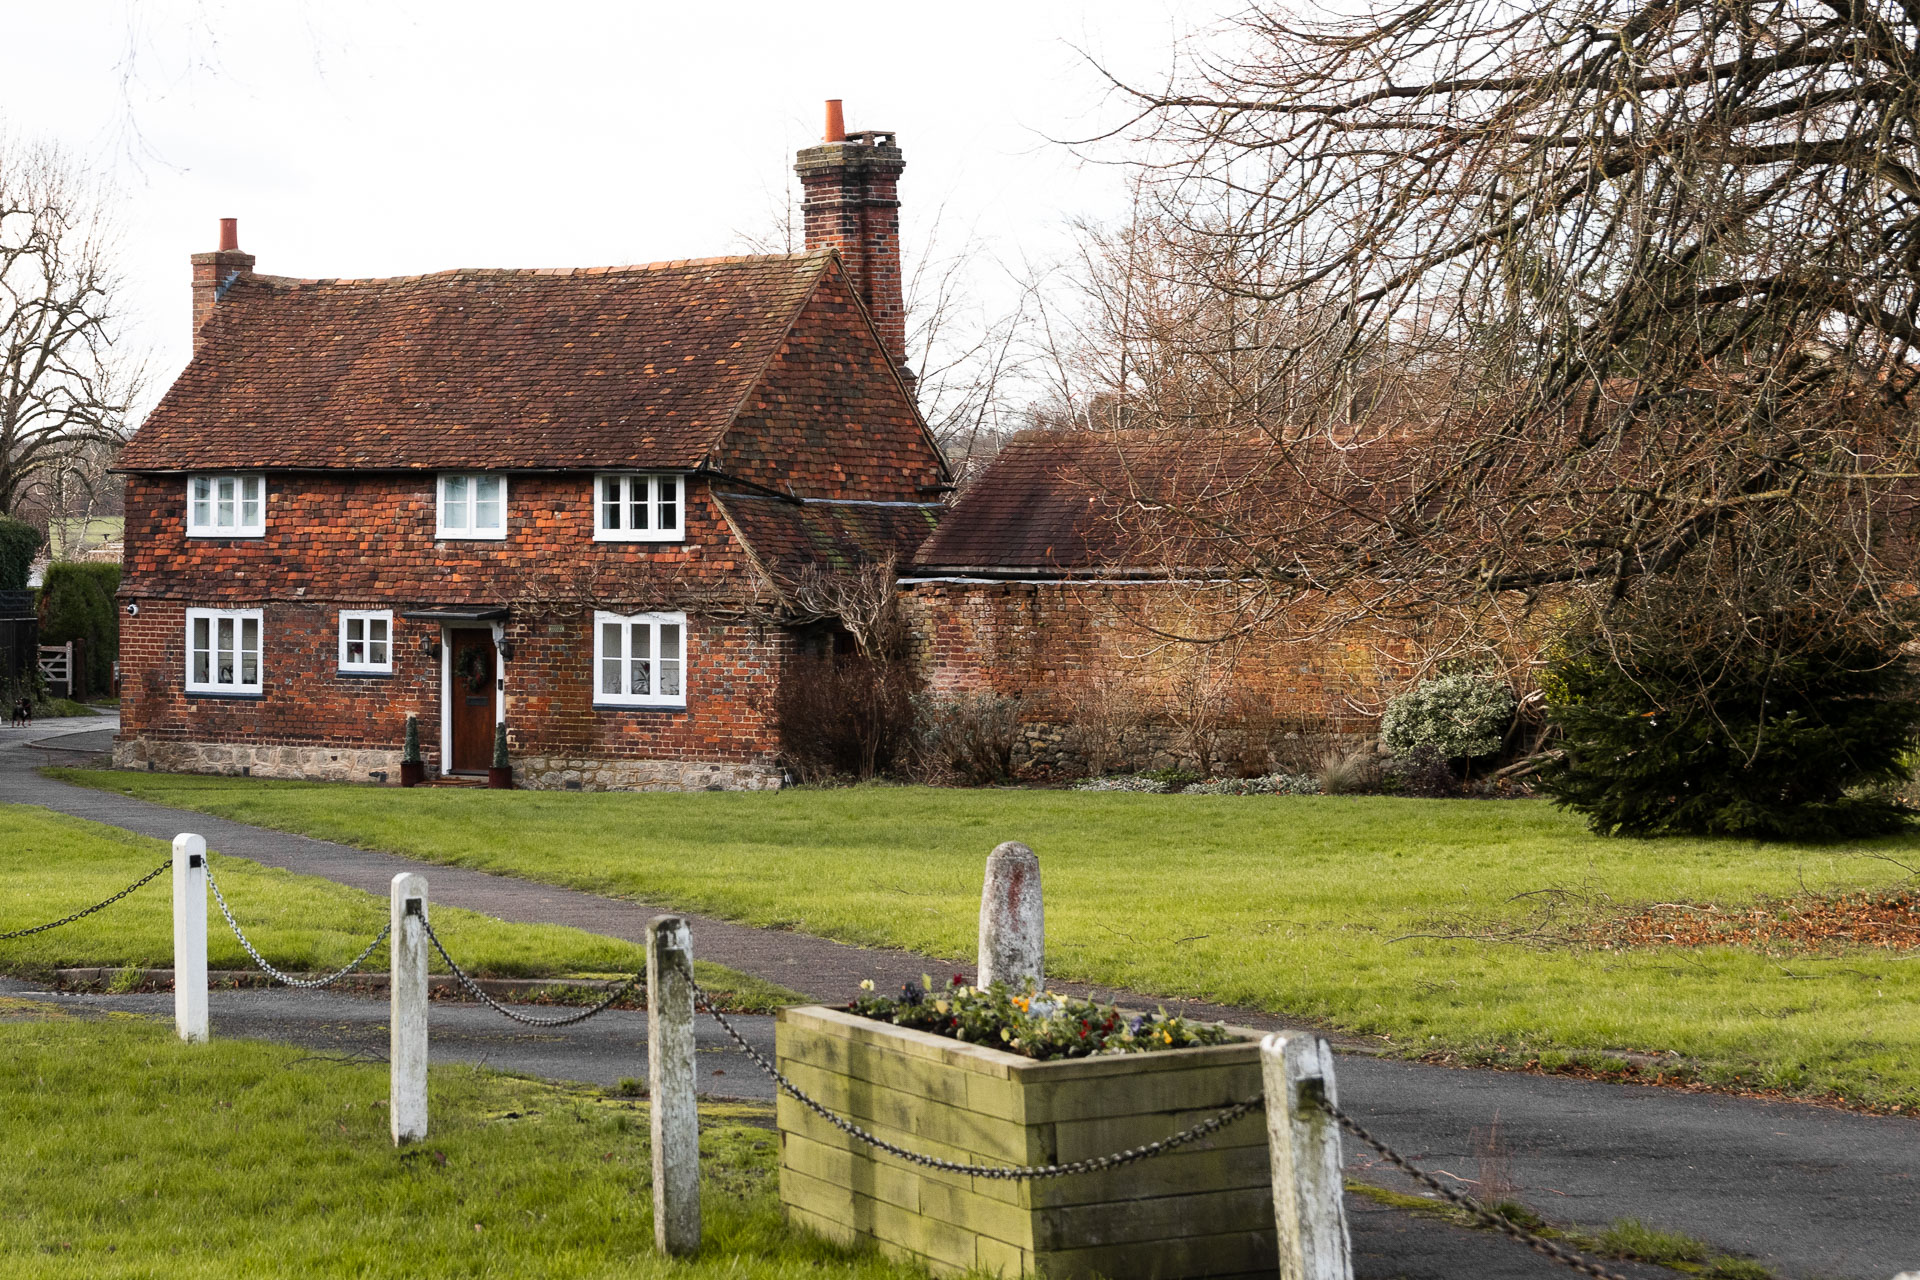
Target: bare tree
65,386
1525,297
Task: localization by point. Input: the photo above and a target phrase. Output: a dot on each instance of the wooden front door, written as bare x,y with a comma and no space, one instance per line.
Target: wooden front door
471,691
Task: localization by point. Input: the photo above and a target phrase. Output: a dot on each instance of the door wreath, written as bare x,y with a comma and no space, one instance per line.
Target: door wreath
474,669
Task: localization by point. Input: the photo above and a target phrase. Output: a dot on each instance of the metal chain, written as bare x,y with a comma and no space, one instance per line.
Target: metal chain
1021,1173
473,989
1500,1222
98,906
269,970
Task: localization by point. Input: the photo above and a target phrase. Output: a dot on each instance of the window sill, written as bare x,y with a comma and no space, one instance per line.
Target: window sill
639,706
675,538
441,536
227,696
352,673
253,536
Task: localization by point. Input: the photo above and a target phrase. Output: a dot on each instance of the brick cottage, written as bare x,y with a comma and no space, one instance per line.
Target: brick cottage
572,502
558,500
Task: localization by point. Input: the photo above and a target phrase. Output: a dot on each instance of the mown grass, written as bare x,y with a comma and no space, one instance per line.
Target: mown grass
129,1154
52,864
1317,907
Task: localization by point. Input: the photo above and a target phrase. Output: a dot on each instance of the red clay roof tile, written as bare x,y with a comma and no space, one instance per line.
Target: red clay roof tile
600,367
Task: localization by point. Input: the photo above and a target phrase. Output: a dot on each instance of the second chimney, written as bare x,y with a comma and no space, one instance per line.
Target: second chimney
851,203
214,272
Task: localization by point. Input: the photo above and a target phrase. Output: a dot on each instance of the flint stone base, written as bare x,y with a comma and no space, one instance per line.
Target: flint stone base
317,764
572,773
356,764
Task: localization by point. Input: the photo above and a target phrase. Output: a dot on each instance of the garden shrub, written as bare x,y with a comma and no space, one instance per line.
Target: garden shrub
18,542
1123,782
77,604
1684,713
1347,772
842,714
1425,773
970,737
1272,784
1455,717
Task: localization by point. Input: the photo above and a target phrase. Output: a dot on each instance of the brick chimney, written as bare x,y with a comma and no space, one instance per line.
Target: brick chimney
851,203
213,272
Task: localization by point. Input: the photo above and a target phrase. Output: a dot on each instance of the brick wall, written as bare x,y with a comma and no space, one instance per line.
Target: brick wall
366,541
322,717
370,535
1078,655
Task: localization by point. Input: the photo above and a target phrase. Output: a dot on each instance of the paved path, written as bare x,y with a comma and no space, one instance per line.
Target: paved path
1812,1192
603,1050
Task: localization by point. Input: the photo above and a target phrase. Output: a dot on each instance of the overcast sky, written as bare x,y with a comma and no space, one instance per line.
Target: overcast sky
357,138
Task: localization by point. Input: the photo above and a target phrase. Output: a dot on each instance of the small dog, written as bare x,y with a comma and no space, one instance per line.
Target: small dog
22,715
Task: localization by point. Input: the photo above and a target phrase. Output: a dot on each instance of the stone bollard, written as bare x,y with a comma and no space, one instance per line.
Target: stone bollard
1013,921
407,1010
190,937
670,1080
1303,1142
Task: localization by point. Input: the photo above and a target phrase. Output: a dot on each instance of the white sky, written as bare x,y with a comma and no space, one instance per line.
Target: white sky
358,138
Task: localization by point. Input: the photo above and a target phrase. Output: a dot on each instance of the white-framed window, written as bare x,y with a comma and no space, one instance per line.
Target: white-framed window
223,650
472,506
635,507
366,641
640,660
226,506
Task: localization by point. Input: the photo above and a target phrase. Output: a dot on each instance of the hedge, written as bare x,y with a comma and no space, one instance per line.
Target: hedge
18,542
77,604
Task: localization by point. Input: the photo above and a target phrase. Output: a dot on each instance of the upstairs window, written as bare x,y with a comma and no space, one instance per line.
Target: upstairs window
226,506
366,641
472,506
639,508
640,660
223,651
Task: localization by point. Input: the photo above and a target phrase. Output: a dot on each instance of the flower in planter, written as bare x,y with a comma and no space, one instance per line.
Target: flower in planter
1037,1023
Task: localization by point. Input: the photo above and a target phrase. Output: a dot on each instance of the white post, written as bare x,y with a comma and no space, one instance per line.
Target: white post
676,1117
1013,921
1303,1142
190,937
407,1009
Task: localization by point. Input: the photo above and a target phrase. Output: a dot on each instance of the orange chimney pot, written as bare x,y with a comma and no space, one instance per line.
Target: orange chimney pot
836,122
229,234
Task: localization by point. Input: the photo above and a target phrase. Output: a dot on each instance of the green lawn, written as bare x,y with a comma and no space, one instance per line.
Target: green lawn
1301,905
130,1154
52,864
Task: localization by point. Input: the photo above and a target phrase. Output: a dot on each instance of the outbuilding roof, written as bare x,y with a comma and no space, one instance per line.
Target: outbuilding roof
638,366
788,536
1145,503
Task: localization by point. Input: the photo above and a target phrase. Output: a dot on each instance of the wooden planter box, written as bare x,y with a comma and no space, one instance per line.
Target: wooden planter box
1205,1209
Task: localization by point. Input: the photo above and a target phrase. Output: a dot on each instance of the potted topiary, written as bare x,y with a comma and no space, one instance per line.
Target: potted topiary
500,776
413,770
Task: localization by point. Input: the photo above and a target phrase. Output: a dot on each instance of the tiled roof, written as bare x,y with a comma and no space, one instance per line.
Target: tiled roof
1081,501
1032,507
603,367
786,536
